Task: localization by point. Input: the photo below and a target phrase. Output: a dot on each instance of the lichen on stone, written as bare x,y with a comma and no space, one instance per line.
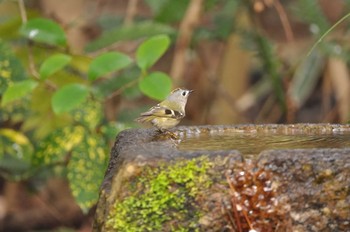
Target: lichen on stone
162,197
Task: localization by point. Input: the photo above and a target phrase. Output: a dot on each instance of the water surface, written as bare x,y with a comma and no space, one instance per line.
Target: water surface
252,144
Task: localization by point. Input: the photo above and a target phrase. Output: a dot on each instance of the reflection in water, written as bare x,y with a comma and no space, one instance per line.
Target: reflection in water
255,143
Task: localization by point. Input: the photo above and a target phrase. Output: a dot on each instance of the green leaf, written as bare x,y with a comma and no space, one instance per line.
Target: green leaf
44,31
156,85
168,11
55,147
86,170
108,86
18,90
89,114
106,63
305,78
53,64
69,97
81,63
11,67
15,136
15,144
151,50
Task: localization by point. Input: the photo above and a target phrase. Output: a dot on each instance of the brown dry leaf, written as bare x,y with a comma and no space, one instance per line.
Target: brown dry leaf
340,80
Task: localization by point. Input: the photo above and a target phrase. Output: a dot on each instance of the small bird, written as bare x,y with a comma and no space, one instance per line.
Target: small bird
167,113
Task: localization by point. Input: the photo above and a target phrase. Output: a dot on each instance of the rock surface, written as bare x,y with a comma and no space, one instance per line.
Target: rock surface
278,190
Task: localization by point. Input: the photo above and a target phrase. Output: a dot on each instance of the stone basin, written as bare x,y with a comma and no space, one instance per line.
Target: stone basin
228,178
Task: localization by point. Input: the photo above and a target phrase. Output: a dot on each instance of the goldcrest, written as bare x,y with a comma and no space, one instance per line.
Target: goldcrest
169,112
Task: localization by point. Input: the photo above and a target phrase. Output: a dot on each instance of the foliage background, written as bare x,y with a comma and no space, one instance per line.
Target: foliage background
75,73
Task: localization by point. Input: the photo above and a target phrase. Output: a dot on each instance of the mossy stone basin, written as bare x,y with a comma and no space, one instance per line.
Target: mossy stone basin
228,178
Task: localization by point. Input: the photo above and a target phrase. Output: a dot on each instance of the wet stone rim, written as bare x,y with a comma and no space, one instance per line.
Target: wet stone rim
288,129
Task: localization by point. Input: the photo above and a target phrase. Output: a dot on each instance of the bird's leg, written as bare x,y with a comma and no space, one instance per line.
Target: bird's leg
167,133
172,135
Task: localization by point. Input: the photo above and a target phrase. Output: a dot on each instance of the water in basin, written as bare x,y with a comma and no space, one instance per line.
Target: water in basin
251,144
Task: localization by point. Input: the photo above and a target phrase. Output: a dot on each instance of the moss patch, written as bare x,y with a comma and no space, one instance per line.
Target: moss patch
162,198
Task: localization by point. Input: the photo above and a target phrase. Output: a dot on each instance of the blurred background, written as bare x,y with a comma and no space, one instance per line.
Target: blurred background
73,74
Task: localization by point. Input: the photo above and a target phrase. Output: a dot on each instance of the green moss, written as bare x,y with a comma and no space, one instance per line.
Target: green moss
164,198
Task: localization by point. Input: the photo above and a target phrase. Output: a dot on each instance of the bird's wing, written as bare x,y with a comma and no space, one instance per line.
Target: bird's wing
162,111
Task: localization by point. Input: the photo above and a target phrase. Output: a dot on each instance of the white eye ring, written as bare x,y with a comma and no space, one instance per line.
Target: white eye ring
184,93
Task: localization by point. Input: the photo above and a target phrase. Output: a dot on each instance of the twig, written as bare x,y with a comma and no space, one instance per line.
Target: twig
284,20
187,25
32,69
234,202
130,12
247,219
22,11
227,208
51,210
121,89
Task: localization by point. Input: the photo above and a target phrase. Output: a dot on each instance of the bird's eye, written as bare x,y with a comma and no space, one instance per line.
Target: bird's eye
184,93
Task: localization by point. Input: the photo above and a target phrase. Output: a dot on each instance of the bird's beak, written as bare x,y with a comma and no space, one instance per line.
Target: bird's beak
190,91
